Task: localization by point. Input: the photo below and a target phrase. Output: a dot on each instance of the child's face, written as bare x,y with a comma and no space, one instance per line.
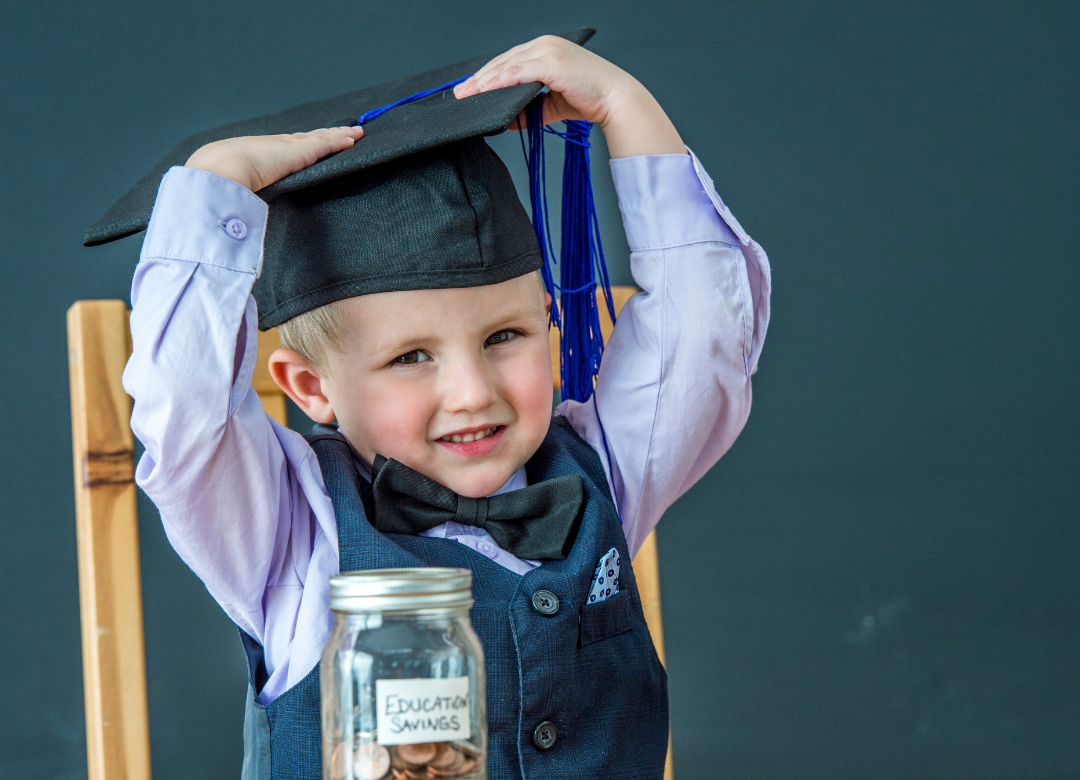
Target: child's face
422,368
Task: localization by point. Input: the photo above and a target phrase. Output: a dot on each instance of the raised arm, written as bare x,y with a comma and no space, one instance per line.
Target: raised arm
673,391
674,385
241,498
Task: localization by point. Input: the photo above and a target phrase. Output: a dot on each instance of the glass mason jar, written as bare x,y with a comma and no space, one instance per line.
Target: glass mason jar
402,678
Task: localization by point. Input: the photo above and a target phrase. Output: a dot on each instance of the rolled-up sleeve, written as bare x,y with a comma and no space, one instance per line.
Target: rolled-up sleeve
673,390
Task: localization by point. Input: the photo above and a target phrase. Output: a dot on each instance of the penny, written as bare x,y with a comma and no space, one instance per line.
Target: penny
451,771
421,761
339,762
444,756
370,761
417,754
454,766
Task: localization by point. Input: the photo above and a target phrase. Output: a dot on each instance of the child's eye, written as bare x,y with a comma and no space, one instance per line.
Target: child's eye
501,337
409,358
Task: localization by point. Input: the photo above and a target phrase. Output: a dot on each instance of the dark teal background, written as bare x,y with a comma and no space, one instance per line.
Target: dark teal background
880,580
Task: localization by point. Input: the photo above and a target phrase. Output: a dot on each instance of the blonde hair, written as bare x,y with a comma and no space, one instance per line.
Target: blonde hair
309,334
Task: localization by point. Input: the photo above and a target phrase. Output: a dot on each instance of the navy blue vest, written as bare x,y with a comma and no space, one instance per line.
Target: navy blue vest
590,669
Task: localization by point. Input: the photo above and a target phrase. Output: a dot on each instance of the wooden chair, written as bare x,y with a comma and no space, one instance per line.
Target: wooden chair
110,591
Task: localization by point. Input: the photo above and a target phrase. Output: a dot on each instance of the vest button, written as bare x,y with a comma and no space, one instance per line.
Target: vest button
545,734
546,603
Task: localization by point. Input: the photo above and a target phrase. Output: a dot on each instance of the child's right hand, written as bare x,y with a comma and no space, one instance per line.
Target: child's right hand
257,161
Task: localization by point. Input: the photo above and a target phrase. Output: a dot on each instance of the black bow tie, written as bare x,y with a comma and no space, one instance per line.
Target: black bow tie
537,522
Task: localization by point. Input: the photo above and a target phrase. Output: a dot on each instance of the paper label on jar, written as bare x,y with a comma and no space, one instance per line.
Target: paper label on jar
422,710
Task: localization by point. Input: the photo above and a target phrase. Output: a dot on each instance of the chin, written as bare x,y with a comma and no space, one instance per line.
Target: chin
478,485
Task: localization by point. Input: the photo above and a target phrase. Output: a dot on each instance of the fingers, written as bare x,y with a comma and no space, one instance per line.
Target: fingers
512,67
579,82
343,137
258,161
329,134
316,144
336,138
513,71
494,76
475,79
275,157
554,111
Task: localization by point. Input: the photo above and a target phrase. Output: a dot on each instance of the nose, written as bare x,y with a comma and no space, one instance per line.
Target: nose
469,387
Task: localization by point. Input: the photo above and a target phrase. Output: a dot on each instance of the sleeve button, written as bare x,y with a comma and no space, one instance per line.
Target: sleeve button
234,228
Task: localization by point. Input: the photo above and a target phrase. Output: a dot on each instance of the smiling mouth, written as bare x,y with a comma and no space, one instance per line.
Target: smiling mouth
464,438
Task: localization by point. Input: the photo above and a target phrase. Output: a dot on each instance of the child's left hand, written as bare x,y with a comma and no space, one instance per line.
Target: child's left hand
586,87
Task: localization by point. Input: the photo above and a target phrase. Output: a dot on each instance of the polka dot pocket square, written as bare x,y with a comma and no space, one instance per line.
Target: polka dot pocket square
605,583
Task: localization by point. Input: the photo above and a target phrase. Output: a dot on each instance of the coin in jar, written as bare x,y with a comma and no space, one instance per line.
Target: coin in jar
451,769
420,753
339,762
370,761
445,756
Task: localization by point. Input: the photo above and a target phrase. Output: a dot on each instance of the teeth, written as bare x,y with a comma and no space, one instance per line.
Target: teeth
459,438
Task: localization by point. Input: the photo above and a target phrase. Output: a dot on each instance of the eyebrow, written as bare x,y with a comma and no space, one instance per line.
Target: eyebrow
403,345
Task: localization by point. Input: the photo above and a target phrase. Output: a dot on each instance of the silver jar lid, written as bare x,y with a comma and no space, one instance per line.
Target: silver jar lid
395,590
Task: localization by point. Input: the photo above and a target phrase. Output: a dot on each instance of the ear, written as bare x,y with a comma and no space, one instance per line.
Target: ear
301,381
547,304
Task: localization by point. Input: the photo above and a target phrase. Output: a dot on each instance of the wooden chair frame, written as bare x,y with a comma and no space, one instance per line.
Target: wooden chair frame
106,522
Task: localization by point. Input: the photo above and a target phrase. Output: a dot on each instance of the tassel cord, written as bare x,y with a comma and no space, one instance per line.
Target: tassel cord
579,136
537,166
367,116
582,345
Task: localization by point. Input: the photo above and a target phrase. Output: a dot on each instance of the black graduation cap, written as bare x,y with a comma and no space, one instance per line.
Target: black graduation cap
411,128
420,202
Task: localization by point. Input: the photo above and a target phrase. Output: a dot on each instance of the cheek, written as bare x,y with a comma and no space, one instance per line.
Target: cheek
388,416
532,394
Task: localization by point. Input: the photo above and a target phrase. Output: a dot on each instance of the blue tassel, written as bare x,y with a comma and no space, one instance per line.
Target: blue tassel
582,264
535,162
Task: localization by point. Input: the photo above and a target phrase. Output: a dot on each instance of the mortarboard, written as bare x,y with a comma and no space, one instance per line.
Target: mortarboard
420,202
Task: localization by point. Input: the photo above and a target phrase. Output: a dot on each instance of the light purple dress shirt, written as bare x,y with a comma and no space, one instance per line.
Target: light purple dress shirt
242,498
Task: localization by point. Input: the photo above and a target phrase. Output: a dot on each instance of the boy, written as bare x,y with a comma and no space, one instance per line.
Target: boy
445,373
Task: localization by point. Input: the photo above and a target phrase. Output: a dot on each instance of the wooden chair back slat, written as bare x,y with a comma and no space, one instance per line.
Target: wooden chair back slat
272,396
107,531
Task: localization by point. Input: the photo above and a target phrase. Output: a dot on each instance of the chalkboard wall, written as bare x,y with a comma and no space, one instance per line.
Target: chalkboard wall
880,580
